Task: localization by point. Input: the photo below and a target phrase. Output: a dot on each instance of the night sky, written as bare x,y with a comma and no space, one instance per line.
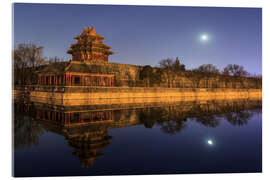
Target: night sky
144,35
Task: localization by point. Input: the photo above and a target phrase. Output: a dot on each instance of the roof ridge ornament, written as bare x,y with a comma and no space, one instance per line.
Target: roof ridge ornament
93,30
85,29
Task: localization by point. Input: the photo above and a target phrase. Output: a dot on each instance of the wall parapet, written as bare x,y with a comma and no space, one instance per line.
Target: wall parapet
101,89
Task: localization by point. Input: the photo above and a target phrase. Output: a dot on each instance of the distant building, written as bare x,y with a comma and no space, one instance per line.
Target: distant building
89,49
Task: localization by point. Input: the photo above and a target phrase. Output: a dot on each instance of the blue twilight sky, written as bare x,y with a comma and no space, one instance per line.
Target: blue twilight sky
144,35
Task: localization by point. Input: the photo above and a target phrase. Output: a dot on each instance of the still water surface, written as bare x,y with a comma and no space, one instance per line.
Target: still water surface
185,137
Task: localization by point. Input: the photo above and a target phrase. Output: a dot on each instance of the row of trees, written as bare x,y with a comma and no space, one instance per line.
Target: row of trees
171,71
231,69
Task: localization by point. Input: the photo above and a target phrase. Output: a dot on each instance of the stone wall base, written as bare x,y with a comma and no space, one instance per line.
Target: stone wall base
141,95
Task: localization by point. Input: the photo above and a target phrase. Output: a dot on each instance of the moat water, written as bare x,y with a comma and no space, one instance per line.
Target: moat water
184,137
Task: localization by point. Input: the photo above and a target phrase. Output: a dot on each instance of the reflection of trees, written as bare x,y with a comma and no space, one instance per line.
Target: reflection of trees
257,111
172,127
209,121
26,131
170,120
238,118
149,116
173,119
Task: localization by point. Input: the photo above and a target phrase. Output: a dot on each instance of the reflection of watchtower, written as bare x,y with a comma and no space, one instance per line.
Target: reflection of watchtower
89,144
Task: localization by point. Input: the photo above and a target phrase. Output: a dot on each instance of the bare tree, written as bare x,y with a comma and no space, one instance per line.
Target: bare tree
207,68
26,58
235,70
171,69
166,64
206,72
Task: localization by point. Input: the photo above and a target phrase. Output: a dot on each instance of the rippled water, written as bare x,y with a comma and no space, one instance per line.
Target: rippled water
183,137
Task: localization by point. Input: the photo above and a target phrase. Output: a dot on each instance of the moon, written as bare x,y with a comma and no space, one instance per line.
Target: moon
204,37
210,142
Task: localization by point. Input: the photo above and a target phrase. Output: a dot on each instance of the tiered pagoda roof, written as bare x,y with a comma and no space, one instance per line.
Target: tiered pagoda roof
86,68
89,47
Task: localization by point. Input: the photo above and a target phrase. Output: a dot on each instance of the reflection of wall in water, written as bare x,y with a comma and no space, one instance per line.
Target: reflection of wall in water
74,118
87,130
132,116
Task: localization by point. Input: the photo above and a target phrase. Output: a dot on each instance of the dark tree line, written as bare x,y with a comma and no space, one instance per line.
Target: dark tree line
27,58
166,72
171,73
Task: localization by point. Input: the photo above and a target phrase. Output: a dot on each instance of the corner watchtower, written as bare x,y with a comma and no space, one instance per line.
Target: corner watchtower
90,47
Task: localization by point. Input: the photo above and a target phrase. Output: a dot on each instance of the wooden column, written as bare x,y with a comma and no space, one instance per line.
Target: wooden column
81,80
54,116
81,117
72,80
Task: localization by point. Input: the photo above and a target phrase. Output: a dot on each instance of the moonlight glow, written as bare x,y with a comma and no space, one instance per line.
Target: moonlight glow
204,37
210,142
